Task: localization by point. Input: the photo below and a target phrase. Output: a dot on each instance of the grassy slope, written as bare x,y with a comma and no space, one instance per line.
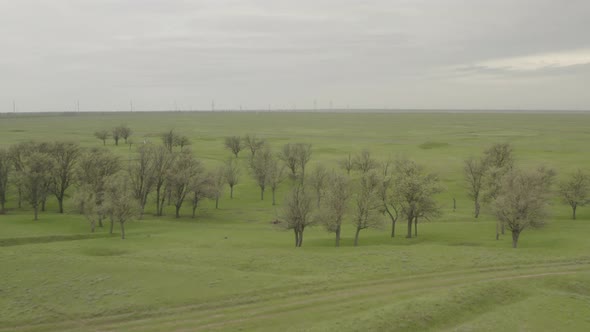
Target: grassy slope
230,268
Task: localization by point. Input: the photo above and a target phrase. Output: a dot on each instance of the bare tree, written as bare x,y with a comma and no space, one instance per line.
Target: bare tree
522,202
182,141
427,206
260,165
142,174
391,205
65,156
234,144
103,135
303,155
46,149
5,168
575,191
474,171
163,160
289,156
364,162
84,202
94,167
414,190
276,176
34,178
125,132
499,155
499,161
119,202
169,139
218,184
18,153
318,181
231,175
181,175
346,164
297,212
117,134
335,205
201,187
253,143
367,204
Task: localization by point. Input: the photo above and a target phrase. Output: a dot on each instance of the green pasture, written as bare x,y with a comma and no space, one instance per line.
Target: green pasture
232,269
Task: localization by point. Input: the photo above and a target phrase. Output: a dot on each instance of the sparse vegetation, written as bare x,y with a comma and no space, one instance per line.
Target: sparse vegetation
454,276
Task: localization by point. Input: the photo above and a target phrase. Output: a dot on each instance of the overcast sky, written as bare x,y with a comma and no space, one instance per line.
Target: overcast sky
459,54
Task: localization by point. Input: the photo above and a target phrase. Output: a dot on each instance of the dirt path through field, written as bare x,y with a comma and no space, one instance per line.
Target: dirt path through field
231,313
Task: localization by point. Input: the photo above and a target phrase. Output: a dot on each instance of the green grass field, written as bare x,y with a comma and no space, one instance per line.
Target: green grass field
231,269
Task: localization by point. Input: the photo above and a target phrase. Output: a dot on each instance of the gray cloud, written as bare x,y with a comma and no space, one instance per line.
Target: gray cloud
401,54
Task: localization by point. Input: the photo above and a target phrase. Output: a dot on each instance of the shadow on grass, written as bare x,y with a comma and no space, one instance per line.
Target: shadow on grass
47,239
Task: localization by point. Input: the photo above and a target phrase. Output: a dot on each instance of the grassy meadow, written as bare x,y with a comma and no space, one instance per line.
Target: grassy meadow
232,269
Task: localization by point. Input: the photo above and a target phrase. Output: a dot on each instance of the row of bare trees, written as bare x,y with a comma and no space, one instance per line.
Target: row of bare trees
518,198
400,189
120,132
38,172
108,188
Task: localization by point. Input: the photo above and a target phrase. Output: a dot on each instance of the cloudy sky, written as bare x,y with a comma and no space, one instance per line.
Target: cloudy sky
442,54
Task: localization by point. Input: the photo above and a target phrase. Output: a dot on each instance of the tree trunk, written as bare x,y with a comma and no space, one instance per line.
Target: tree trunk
273,197
356,236
104,142
515,235
497,230
158,201
416,226
217,202
194,210
2,210
393,220
477,207
60,201
162,206
231,192
100,221
177,211
300,238
92,227
43,204
261,194
112,226
296,238
36,209
338,236
122,231
410,220
20,197
116,142
503,228
574,211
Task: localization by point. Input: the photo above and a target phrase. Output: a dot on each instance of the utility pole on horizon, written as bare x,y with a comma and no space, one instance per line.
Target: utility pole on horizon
131,105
